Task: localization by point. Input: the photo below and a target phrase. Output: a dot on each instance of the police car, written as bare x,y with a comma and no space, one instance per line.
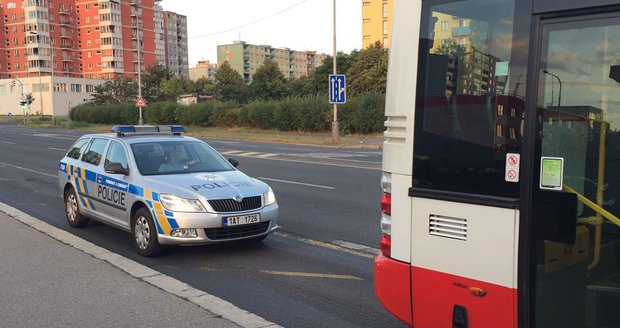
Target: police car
164,188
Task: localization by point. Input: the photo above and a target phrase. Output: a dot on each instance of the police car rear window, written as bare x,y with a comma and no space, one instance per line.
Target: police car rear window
78,147
95,151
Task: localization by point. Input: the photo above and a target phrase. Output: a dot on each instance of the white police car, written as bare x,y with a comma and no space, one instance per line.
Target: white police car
164,188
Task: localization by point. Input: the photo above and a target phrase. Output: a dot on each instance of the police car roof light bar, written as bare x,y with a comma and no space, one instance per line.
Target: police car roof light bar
122,130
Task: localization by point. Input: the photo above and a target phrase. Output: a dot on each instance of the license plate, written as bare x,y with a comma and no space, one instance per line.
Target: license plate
230,221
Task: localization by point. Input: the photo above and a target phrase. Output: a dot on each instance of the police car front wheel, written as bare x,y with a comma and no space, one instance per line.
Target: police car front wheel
72,210
145,234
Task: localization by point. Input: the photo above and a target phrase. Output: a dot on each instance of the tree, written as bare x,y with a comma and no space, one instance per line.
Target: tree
368,71
268,82
229,85
151,82
302,86
320,76
117,91
172,88
202,85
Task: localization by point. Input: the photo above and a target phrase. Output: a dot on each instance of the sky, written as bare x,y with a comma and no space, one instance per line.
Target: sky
294,24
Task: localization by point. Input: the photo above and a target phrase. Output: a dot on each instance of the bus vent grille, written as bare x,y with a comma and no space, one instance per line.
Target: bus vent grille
443,226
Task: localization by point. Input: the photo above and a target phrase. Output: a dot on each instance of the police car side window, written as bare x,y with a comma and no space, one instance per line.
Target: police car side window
116,154
78,147
95,151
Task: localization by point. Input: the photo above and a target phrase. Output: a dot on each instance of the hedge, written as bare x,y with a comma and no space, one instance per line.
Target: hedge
363,114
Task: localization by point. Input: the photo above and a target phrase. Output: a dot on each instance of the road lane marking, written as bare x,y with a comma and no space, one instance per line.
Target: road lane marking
240,153
311,275
231,152
59,149
298,183
325,245
7,142
29,170
267,155
153,277
357,247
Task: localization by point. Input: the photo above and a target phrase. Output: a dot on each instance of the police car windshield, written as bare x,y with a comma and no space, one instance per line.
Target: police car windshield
177,157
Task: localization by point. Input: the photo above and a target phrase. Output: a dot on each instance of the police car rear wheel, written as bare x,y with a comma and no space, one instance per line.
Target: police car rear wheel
72,210
145,234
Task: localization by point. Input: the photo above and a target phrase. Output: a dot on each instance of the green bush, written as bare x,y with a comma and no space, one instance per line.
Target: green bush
362,114
105,114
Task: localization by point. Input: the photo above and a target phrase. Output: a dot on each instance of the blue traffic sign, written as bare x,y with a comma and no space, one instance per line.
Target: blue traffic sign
10,114
337,89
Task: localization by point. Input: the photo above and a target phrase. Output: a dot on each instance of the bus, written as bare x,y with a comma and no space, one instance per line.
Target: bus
501,164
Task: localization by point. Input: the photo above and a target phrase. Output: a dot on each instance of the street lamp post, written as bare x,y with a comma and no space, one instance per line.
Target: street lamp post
141,121
21,85
560,93
335,126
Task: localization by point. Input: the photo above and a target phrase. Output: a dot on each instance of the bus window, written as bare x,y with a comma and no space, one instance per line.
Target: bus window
470,105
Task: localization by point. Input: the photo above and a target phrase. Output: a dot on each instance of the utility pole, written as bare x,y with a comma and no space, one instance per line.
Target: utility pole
49,24
335,127
141,121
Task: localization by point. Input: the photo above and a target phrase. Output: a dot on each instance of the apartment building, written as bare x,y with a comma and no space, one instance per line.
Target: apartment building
175,43
377,22
76,38
247,58
203,69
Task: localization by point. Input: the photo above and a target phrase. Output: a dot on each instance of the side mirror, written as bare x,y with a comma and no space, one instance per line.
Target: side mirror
116,168
233,162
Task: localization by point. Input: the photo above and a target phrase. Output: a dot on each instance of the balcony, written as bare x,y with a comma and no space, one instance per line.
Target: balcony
66,46
66,22
66,59
64,11
65,36
135,3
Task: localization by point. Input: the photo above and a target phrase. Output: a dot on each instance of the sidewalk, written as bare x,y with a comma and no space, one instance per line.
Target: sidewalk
46,283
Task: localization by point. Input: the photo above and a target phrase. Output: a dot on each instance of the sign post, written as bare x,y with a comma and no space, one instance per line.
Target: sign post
141,103
337,89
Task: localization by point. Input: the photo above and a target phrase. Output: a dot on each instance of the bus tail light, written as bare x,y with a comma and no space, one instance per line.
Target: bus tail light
386,215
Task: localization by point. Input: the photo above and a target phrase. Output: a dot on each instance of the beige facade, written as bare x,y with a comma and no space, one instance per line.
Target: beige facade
68,92
203,69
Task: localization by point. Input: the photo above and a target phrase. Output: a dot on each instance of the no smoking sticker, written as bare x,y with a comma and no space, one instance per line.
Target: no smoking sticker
513,161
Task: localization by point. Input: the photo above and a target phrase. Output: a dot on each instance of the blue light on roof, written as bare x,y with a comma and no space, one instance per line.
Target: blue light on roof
148,129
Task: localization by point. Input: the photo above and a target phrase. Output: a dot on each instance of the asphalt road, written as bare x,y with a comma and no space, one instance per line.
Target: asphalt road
315,272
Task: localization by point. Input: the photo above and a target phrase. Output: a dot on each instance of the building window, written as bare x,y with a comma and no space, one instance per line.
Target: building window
76,88
513,112
499,130
385,27
60,87
500,110
385,10
445,25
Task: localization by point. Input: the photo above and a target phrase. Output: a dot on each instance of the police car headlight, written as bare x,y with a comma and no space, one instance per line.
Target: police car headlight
270,197
178,204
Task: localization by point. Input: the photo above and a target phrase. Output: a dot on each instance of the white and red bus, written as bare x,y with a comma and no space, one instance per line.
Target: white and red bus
501,164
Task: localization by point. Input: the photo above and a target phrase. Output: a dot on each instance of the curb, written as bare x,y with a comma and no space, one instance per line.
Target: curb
166,283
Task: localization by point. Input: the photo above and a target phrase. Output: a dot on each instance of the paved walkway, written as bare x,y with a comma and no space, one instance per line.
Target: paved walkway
46,283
